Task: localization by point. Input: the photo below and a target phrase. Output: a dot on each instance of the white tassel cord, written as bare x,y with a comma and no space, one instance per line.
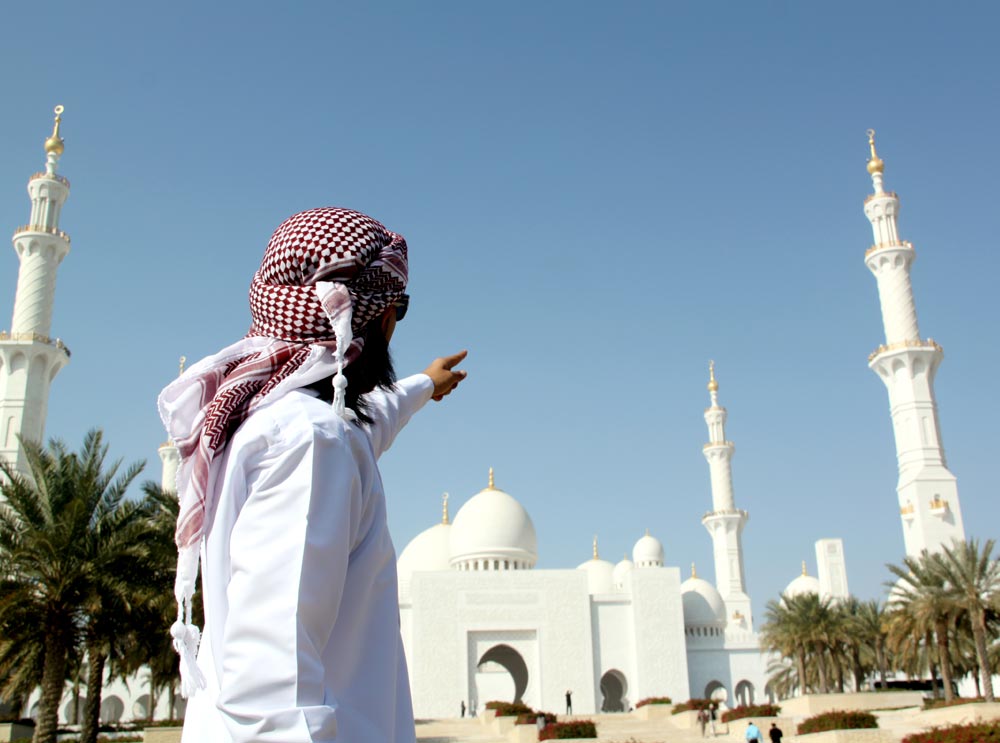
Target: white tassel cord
185,634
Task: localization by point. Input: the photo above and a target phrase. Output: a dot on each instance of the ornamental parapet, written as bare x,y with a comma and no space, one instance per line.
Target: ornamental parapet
54,342
41,228
929,343
880,246
890,194
54,177
726,512
711,444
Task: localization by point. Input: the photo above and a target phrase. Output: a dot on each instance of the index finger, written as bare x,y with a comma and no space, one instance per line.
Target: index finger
449,362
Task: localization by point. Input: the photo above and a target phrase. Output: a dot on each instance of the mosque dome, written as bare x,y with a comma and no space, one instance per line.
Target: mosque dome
492,531
802,585
648,552
429,551
600,575
702,603
622,572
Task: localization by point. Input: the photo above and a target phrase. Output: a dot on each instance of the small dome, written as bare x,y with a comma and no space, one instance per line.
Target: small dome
492,531
703,605
648,552
802,585
429,551
600,575
622,572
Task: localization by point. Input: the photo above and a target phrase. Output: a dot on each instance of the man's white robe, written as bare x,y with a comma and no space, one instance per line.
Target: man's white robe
301,641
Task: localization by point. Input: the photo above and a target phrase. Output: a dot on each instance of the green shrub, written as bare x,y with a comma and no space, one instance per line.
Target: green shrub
938,703
532,718
653,700
562,730
162,724
753,710
838,720
509,709
693,704
979,732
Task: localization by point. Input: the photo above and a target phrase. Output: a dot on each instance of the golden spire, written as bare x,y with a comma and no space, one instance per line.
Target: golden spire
183,360
713,386
694,573
875,164
444,509
491,486
55,144
647,532
804,571
595,548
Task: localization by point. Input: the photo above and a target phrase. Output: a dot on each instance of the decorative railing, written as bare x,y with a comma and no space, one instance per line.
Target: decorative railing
54,177
711,444
41,228
56,342
929,343
899,244
907,510
871,196
726,512
938,505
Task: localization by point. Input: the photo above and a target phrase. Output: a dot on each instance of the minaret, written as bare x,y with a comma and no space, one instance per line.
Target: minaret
725,522
170,456
29,357
928,492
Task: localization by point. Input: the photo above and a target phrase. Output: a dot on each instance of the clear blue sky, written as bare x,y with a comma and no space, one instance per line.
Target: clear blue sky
598,200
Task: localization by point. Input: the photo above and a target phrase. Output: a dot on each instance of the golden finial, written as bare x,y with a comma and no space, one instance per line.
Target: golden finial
875,165
444,509
595,547
491,486
804,572
713,386
694,573
181,365
55,144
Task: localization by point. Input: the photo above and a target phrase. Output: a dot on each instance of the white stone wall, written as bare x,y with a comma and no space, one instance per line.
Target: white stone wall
661,662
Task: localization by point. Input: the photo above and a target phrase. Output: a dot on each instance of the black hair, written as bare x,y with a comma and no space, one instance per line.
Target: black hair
373,368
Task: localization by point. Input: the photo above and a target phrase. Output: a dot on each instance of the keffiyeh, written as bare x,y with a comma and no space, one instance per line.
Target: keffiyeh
326,273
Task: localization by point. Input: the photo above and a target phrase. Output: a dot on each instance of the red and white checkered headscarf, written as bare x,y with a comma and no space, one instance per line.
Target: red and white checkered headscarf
325,275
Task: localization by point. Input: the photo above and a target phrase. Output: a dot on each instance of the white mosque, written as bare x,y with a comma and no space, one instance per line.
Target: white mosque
478,621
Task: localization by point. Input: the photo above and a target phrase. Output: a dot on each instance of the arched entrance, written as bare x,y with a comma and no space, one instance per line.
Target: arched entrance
744,694
716,692
501,674
614,689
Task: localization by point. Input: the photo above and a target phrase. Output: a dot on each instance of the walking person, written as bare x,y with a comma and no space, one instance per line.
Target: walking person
713,714
279,436
463,708
753,734
702,720
775,733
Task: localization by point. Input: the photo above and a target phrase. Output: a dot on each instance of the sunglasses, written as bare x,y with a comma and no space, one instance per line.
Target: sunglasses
402,305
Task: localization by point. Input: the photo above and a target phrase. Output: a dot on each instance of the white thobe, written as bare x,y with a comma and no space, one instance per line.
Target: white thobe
301,641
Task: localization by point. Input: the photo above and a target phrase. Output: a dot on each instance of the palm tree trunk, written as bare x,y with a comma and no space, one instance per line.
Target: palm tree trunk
979,635
883,671
53,682
152,695
172,700
800,667
856,668
95,683
941,633
838,667
821,669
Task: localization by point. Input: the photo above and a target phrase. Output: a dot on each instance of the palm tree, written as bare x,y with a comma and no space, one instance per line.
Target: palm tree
60,530
921,592
781,633
868,624
973,580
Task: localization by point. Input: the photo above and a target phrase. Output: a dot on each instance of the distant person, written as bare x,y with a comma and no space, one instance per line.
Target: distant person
463,708
753,733
702,721
569,701
713,715
775,733
540,722
472,707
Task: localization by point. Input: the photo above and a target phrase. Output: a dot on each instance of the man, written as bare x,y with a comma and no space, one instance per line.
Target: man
462,709
775,733
753,733
279,436
569,701
702,720
713,715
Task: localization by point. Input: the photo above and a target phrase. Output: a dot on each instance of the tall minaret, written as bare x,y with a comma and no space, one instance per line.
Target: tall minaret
725,522
928,492
29,357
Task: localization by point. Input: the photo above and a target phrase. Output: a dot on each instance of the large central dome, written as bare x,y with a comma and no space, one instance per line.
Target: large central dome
492,531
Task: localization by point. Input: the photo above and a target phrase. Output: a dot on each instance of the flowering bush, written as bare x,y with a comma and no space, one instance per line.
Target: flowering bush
532,718
509,709
838,720
979,732
753,710
575,729
653,700
693,704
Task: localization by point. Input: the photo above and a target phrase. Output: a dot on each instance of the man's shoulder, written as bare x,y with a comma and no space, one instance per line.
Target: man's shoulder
295,416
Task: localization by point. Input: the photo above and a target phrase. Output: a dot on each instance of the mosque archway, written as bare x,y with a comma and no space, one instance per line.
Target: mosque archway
744,693
140,708
112,709
614,690
501,674
716,691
